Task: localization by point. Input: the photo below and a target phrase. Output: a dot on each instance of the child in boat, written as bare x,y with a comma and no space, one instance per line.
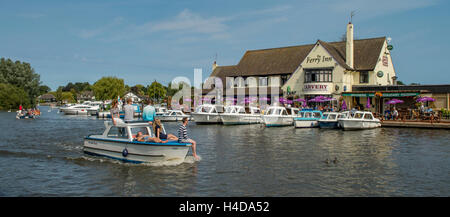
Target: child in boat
158,132
140,137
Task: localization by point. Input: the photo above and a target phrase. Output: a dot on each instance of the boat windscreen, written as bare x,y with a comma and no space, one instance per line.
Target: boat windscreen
316,114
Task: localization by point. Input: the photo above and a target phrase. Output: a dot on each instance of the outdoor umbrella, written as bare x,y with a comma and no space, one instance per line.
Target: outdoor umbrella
368,103
394,101
344,105
425,99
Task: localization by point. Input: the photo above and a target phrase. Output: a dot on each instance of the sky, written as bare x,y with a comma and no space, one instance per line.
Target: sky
142,41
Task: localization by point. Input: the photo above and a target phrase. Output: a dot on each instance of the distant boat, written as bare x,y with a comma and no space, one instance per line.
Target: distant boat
174,115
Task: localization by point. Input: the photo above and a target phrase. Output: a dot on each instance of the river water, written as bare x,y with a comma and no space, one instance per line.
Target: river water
44,157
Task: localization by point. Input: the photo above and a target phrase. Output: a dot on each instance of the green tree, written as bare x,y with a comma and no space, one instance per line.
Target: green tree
12,96
68,97
108,88
43,89
156,91
21,75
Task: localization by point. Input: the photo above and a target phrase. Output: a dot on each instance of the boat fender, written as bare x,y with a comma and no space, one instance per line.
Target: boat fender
125,152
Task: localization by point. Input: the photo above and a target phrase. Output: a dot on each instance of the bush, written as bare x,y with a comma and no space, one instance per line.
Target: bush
12,97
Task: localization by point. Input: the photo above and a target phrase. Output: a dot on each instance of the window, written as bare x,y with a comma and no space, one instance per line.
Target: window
239,82
318,75
118,132
368,117
262,81
284,79
135,130
364,77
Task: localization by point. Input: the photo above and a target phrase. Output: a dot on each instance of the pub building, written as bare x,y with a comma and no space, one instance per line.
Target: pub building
306,71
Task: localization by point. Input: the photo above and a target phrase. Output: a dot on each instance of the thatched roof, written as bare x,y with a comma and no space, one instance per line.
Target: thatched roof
286,60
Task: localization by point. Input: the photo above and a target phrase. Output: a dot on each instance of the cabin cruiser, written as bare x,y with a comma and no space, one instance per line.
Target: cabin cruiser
118,142
277,116
360,120
107,114
208,114
174,115
80,109
307,118
329,120
159,111
237,115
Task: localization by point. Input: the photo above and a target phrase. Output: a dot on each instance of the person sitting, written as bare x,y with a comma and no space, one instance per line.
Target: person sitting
183,137
140,137
157,129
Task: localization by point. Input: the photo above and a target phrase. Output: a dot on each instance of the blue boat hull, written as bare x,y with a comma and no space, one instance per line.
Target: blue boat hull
328,124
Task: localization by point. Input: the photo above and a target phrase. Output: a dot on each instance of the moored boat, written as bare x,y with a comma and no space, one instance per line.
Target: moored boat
277,116
329,120
307,118
235,115
360,120
208,114
174,115
117,142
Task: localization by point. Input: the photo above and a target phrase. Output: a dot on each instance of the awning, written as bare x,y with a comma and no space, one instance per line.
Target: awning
402,94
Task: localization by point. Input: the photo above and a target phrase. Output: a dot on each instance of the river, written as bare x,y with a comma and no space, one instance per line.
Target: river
44,157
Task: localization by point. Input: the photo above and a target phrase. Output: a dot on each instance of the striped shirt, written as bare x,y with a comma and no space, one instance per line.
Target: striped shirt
182,133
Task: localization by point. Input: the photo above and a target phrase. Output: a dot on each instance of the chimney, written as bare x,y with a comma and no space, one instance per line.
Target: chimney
349,45
214,66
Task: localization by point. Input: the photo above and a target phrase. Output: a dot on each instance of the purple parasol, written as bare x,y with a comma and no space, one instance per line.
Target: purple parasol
394,101
344,105
425,99
368,102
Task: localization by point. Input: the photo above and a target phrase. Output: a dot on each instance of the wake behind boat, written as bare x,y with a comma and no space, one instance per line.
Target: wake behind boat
117,142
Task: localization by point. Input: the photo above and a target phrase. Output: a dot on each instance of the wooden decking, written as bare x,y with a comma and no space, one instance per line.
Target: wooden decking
417,124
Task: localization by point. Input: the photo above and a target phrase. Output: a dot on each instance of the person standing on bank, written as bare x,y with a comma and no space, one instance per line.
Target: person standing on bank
183,137
129,111
148,113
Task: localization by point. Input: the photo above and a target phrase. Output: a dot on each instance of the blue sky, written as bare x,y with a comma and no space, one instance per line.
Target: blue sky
141,41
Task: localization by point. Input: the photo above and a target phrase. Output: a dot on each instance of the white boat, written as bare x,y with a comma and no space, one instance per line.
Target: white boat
208,114
159,111
307,118
79,109
360,120
329,120
277,116
174,115
237,115
117,142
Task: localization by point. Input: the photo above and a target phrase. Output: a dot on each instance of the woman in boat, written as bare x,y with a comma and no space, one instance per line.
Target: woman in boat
140,137
115,113
158,132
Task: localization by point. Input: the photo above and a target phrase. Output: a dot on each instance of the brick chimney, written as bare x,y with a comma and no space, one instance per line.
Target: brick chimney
214,66
349,45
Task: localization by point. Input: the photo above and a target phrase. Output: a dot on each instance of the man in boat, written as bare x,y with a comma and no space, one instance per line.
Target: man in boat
183,137
128,110
148,113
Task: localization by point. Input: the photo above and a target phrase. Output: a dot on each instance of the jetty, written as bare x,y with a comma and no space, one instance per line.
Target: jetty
417,124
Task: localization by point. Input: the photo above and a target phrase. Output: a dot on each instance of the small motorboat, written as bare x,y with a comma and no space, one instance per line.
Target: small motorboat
307,118
159,111
117,142
277,116
208,114
80,109
235,114
24,115
174,115
360,120
329,120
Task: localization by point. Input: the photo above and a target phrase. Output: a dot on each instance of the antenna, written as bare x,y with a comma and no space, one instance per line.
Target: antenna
352,14
215,58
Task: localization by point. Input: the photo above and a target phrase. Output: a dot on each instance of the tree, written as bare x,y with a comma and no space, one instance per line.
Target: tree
12,96
156,91
400,83
68,97
22,76
43,89
108,88
139,89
